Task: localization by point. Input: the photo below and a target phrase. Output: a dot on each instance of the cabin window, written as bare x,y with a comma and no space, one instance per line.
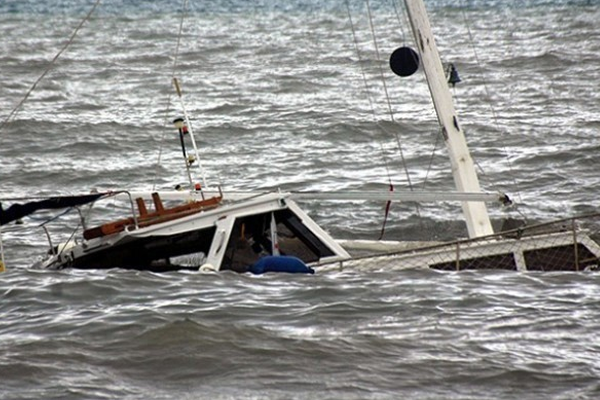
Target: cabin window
156,253
251,239
184,251
498,261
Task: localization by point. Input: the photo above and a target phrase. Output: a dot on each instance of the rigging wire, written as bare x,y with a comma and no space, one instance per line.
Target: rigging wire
430,164
404,21
169,96
366,86
387,96
404,164
488,96
364,78
379,125
399,19
17,108
362,70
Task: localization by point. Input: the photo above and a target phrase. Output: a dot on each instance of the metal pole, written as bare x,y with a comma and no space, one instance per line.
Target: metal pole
187,121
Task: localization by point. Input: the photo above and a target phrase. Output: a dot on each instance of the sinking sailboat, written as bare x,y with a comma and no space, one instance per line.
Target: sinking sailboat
206,229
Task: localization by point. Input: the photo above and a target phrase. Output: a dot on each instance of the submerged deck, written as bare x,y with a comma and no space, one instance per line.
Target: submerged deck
565,245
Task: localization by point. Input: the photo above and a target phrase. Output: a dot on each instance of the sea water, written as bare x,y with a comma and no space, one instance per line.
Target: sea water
276,95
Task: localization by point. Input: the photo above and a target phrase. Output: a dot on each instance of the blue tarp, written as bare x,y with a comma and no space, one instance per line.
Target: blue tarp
280,264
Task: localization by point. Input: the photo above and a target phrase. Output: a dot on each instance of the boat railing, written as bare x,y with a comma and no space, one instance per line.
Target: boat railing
565,244
55,250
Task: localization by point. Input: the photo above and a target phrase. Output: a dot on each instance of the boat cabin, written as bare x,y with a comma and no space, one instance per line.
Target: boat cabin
217,234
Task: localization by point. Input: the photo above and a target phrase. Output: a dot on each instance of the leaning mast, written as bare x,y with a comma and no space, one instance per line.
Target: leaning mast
463,169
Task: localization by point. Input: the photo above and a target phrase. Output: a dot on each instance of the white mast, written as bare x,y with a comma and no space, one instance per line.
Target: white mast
463,170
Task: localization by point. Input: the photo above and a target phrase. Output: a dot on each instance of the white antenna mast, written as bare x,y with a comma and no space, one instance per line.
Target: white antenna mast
189,127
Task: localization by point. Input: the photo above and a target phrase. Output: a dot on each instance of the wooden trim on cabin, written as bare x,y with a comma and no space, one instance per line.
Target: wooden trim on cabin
151,218
141,207
158,205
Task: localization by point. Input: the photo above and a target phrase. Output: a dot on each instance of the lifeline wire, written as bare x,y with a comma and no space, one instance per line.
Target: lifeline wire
15,110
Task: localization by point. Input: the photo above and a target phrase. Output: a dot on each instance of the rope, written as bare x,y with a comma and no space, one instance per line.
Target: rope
15,110
168,108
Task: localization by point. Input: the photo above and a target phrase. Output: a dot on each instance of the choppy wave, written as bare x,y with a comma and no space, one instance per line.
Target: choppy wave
141,7
420,334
